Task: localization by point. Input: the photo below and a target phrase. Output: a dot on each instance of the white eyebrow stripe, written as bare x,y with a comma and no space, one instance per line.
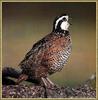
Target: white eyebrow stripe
60,19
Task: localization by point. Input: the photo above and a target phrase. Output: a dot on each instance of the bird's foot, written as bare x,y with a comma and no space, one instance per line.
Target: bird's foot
49,87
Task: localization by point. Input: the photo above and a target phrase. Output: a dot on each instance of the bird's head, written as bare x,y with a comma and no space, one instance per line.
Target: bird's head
61,23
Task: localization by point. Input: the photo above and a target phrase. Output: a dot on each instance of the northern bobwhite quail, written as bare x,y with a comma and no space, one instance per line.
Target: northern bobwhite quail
49,55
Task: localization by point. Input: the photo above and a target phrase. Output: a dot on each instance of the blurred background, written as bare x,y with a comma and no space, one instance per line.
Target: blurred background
25,23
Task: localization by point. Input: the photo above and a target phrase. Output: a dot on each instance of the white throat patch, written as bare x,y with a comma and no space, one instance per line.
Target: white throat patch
60,19
64,25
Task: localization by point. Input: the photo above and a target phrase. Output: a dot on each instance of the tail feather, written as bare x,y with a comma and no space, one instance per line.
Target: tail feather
10,72
15,73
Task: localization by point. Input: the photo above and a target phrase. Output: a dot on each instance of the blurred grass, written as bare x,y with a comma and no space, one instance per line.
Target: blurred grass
22,27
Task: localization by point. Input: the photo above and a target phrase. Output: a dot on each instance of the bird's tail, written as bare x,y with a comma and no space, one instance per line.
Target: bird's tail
13,73
10,72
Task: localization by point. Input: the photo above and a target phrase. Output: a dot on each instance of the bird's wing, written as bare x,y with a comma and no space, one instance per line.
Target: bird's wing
36,51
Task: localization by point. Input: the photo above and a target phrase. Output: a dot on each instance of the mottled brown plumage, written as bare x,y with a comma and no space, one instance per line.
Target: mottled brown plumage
48,55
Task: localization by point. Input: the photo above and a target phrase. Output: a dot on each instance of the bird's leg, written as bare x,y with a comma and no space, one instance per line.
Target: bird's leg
21,78
45,86
48,83
44,81
51,84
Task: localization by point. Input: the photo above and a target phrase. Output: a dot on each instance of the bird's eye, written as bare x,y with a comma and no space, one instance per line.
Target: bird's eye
64,18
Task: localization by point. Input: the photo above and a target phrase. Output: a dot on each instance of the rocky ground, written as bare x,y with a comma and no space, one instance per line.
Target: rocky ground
32,91
85,90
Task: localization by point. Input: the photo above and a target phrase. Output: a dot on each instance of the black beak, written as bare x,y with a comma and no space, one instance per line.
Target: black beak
70,24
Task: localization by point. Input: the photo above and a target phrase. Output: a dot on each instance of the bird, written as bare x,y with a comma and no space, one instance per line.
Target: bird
49,55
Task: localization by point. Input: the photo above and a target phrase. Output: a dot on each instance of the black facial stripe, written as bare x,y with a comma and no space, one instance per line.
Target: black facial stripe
58,28
64,19
59,23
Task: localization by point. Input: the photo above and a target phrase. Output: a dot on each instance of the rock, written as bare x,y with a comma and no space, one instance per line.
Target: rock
33,91
10,90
